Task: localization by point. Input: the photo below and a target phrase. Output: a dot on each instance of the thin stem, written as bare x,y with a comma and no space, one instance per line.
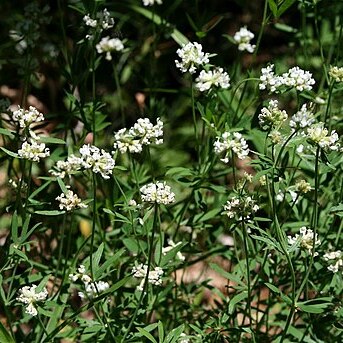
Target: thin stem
93,225
260,34
246,252
313,224
120,102
146,277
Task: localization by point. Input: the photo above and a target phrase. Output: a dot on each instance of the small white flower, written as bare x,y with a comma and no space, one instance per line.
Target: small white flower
151,2
295,78
272,116
93,289
171,246
242,207
243,38
154,277
89,21
299,79
336,73
70,201
108,45
103,20
235,142
183,338
302,187
304,240
33,151
216,77
276,137
98,160
132,203
68,167
335,261
158,192
302,119
30,297
142,133
192,57
25,118
318,134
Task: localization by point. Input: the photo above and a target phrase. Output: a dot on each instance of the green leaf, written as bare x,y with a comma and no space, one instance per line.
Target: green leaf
5,336
226,274
110,261
7,132
273,7
14,227
337,210
285,6
147,335
178,37
51,140
201,217
285,298
40,189
62,185
97,257
160,332
50,213
10,153
175,334
236,299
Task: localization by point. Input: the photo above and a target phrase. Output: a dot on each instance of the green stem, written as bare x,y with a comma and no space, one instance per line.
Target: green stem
146,277
246,252
260,34
93,225
119,90
313,225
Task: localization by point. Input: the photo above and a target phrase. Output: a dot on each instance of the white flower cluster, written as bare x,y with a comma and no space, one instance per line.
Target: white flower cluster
235,142
103,19
25,118
318,134
154,277
183,338
216,77
272,116
243,207
172,245
302,119
68,167
89,21
243,38
192,57
335,260
70,201
336,73
33,150
98,160
295,78
30,297
304,239
158,192
91,288
302,187
142,133
108,45
151,2
81,274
